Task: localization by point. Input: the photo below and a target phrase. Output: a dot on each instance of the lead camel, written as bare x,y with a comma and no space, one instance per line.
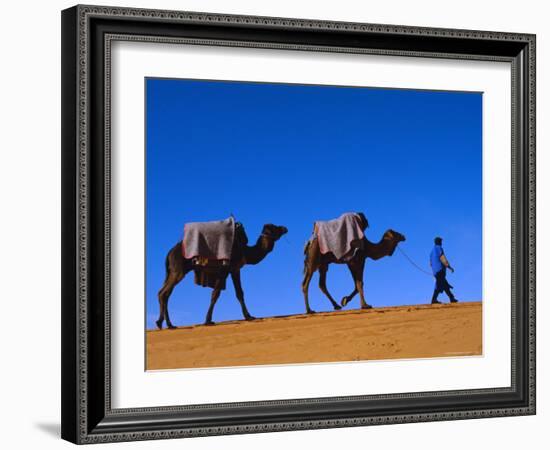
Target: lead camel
316,261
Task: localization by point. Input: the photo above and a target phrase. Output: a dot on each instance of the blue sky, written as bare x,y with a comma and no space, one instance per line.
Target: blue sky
293,154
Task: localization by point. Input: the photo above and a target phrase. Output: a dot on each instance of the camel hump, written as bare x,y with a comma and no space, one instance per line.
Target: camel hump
363,219
240,234
211,240
340,236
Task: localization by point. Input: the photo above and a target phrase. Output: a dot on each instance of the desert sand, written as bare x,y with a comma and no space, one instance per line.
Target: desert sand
419,331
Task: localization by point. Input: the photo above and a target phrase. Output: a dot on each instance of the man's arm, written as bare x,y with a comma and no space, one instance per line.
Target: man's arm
445,262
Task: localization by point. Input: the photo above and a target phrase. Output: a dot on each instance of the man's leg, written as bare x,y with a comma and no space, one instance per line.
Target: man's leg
449,293
439,277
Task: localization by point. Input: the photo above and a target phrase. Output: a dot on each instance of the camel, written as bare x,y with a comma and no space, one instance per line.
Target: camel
177,267
315,260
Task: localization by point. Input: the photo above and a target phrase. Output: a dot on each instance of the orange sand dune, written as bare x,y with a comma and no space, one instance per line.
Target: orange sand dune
419,331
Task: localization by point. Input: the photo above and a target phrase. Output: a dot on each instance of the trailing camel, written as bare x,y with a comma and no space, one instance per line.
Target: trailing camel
177,267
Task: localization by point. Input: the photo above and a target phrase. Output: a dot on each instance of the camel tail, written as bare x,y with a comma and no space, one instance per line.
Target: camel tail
167,265
306,248
167,260
166,268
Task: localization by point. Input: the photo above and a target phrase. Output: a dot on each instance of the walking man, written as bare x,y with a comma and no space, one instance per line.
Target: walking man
440,264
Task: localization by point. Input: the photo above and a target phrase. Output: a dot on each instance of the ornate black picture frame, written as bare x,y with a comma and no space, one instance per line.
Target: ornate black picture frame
87,415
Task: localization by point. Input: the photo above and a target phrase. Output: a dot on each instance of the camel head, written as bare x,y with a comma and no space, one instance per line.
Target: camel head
273,232
265,244
394,238
270,234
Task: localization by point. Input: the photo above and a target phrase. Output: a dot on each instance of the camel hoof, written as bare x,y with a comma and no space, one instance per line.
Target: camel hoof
310,311
344,301
159,324
337,307
171,327
250,318
366,307
209,322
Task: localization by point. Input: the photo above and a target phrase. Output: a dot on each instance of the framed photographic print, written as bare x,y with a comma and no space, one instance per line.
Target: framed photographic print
278,224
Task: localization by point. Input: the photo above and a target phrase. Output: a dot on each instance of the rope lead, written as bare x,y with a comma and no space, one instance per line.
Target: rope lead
413,263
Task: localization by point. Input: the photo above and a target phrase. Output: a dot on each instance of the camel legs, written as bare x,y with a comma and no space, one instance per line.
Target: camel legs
305,288
356,268
323,286
236,277
215,295
172,279
348,298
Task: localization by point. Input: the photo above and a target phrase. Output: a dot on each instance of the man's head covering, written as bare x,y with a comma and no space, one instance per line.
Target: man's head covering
438,240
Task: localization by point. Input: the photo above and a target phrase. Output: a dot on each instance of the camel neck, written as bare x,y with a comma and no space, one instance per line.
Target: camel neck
384,247
258,252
